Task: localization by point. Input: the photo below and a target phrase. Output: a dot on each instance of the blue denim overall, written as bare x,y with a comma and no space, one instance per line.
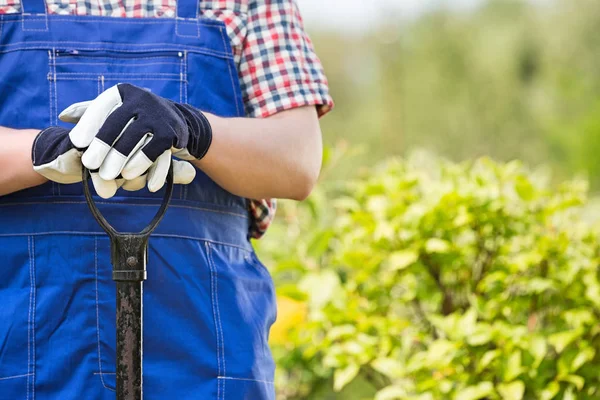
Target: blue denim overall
208,301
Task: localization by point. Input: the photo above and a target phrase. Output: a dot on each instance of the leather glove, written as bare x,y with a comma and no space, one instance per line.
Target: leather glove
127,129
56,158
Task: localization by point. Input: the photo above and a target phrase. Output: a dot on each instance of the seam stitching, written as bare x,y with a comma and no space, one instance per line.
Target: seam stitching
133,204
233,88
98,316
29,320
13,47
33,284
14,377
245,379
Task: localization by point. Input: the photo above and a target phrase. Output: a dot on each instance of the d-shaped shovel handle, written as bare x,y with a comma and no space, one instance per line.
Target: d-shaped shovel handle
128,257
108,228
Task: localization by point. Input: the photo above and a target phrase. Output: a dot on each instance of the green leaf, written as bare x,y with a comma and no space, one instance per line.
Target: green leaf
512,391
475,392
487,358
481,335
341,377
321,287
401,259
563,339
513,366
435,245
550,391
524,188
391,393
582,357
389,367
576,380
537,348
569,395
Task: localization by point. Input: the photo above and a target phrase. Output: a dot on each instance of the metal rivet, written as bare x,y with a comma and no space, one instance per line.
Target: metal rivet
132,261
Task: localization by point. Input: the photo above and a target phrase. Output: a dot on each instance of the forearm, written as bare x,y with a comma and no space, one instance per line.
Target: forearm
16,168
279,156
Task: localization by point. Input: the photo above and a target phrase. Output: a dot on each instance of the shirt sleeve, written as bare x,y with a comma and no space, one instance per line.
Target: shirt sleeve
279,69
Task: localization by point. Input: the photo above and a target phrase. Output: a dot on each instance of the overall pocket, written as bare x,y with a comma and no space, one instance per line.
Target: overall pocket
82,74
245,309
17,319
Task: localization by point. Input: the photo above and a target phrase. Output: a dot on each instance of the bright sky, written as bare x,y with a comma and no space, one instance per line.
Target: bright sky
360,15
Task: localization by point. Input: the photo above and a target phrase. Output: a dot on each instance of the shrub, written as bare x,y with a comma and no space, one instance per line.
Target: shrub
428,280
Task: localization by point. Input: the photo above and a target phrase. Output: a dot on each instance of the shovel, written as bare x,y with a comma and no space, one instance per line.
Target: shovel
128,256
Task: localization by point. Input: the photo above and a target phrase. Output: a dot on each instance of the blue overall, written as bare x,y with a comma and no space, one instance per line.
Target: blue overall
208,301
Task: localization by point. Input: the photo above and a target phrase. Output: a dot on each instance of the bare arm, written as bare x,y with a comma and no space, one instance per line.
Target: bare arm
279,156
16,169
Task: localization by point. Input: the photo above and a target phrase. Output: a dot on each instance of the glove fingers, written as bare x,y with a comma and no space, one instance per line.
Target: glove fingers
105,189
158,171
114,127
137,165
54,156
94,117
183,172
74,112
117,159
136,183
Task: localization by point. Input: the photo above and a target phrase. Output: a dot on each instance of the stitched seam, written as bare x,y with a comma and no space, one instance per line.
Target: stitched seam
35,141
212,298
180,80
55,106
235,96
3,378
245,379
118,74
185,71
219,327
33,358
59,77
133,204
98,315
118,20
34,19
54,92
129,64
188,21
29,320
209,52
163,235
50,79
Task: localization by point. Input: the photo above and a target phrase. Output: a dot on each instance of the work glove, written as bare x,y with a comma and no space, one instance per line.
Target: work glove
127,129
56,158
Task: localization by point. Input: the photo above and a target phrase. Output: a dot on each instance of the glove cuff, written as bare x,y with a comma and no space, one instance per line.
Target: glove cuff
200,131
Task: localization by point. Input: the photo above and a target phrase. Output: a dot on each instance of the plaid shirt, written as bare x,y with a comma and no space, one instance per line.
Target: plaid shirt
277,65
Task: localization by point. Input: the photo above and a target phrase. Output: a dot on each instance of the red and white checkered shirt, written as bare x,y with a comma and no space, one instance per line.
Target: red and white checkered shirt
277,65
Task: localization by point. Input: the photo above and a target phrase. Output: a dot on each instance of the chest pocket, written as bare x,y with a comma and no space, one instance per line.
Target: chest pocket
82,74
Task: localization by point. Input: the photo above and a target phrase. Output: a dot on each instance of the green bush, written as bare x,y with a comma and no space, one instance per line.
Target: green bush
428,280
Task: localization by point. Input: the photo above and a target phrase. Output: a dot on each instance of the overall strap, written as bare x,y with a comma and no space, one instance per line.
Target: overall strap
34,16
187,21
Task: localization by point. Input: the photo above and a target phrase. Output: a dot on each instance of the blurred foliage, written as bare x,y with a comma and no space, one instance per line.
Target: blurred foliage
426,279
509,80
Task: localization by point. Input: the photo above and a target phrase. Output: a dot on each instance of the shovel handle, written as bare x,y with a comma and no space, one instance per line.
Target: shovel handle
108,228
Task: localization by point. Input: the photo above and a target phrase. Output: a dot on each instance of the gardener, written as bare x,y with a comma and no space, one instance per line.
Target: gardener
184,80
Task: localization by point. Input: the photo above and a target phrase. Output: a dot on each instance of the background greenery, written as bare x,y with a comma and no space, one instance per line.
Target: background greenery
409,275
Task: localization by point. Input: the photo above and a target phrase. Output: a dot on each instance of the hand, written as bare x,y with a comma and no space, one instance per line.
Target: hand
56,158
126,130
